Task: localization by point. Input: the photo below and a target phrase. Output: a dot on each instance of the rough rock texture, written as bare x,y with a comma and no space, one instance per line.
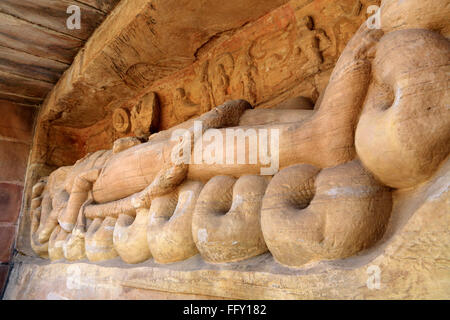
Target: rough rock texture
16,124
120,58
409,99
358,176
226,224
238,53
169,233
310,216
413,258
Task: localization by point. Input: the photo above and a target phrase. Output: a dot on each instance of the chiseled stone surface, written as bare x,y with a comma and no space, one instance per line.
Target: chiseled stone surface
4,269
413,260
289,50
7,233
16,121
13,161
356,206
10,201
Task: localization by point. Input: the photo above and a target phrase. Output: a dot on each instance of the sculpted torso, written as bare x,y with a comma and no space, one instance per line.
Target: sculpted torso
383,123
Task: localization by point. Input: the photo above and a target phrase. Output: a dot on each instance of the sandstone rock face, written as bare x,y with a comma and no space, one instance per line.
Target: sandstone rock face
411,258
404,119
264,51
226,223
310,216
16,124
170,235
292,162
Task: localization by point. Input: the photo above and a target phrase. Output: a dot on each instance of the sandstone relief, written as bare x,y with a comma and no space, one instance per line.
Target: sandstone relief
305,140
289,52
121,120
330,195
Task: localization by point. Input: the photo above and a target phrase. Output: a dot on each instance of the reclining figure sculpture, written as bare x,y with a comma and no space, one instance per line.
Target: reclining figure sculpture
382,124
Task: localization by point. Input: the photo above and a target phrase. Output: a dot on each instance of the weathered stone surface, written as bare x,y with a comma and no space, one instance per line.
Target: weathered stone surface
7,234
37,44
4,269
13,161
406,118
223,235
10,202
16,121
413,258
426,14
34,173
121,54
310,215
356,187
266,61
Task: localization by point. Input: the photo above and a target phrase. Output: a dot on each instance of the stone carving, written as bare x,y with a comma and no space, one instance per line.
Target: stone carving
142,120
220,71
99,239
124,144
130,237
169,230
56,243
211,88
383,123
344,24
145,116
310,214
206,100
312,42
406,121
47,204
277,74
121,120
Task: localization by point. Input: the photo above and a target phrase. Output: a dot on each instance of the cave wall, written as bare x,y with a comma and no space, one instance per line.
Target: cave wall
16,123
265,61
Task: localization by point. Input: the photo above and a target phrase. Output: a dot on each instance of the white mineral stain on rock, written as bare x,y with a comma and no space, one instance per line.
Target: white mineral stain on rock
202,235
398,97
